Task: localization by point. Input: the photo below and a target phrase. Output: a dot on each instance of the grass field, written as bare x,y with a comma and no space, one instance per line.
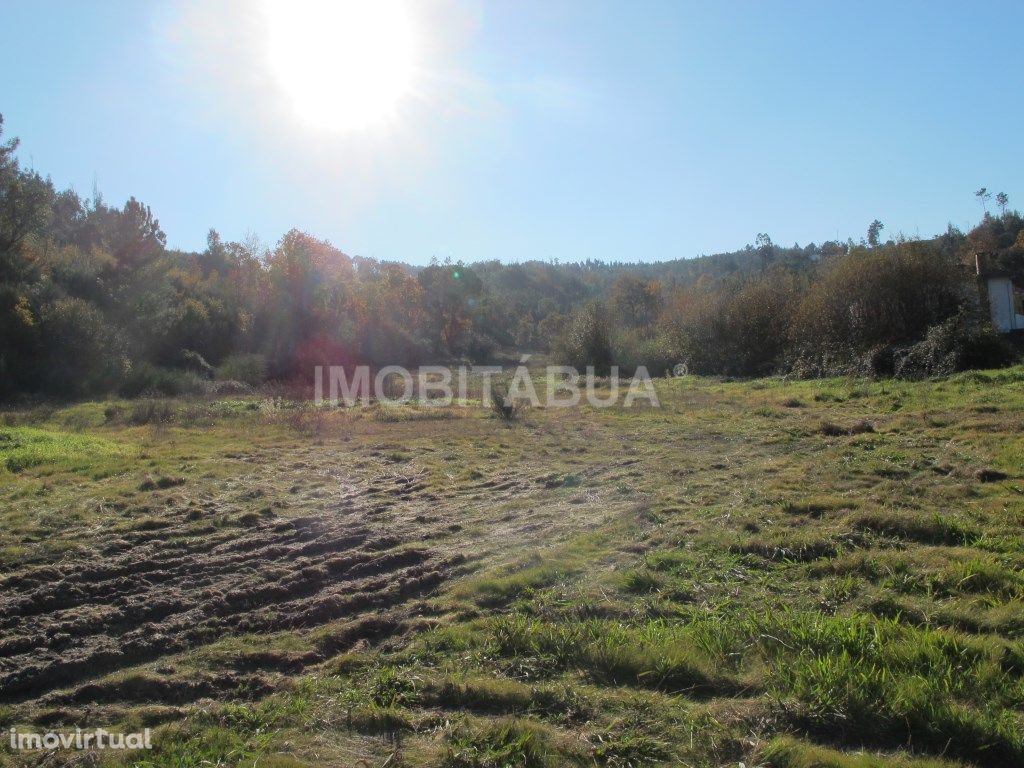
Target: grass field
790,574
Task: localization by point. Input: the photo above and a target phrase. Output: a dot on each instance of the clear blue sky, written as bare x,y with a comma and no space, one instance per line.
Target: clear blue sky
539,128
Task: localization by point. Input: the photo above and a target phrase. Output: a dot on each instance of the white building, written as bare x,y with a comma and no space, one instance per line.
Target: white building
1005,294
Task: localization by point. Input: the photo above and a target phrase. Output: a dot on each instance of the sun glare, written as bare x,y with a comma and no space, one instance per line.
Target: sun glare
344,64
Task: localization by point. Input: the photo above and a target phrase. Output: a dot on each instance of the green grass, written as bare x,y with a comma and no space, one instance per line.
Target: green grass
500,745
656,654
713,582
23,448
787,752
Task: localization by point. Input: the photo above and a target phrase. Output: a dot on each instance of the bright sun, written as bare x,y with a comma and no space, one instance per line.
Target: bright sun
344,64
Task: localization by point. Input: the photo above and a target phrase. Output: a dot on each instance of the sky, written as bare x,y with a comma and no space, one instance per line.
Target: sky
527,129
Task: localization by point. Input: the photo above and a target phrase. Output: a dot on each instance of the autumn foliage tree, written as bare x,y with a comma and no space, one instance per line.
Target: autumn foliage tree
92,300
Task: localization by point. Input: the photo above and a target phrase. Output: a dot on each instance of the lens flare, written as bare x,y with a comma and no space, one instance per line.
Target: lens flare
343,64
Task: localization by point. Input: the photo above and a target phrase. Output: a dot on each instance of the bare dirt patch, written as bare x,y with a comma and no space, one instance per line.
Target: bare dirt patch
162,590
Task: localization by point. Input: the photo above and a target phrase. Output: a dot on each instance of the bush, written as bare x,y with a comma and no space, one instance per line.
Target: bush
587,340
248,369
146,379
811,361
230,387
196,363
631,349
737,327
391,345
956,345
79,353
501,406
480,349
870,298
151,412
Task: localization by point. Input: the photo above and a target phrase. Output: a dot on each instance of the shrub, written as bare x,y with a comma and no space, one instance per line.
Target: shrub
390,345
151,412
501,406
145,379
877,362
305,419
480,349
737,327
196,363
246,368
230,387
955,345
80,354
631,349
586,341
635,302
868,299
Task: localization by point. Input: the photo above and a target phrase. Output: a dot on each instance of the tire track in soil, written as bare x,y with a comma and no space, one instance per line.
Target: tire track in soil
163,590
166,591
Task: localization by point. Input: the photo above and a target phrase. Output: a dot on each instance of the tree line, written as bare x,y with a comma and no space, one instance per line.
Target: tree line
93,301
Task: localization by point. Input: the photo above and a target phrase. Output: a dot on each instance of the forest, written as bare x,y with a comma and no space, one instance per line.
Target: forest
93,301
